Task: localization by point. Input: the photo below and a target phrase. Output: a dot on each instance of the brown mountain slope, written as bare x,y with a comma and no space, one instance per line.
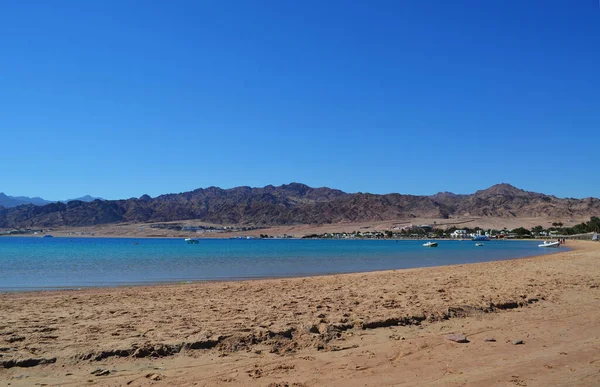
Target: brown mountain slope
504,200
296,204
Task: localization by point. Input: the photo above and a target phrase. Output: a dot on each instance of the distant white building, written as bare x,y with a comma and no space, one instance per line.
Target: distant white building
479,234
459,234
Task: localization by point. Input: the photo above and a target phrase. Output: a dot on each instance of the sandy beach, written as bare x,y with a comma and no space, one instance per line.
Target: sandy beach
375,329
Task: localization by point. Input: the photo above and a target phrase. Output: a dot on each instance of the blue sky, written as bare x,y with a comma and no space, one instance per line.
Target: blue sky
121,98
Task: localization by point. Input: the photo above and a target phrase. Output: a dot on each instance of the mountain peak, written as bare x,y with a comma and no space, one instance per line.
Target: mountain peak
85,198
504,189
504,185
445,194
295,186
145,198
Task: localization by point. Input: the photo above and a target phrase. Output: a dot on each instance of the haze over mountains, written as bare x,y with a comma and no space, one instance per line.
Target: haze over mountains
296,204
14,201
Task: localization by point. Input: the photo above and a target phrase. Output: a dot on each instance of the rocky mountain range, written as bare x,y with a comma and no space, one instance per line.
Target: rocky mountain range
296,204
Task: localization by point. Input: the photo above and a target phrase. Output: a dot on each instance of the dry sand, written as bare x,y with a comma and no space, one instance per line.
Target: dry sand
374,329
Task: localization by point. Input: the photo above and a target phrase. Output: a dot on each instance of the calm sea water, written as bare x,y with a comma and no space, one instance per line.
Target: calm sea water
47,263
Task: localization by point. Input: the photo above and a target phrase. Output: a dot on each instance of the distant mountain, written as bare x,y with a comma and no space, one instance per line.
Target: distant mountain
296,204
86,198
14,201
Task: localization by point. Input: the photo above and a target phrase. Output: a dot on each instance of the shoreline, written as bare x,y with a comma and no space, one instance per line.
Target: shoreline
572,247
236,237
145,229
377,328
243,237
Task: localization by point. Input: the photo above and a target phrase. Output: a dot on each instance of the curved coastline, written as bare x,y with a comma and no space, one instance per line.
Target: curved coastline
109,262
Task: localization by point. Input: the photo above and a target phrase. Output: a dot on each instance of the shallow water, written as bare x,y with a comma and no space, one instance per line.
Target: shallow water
44,263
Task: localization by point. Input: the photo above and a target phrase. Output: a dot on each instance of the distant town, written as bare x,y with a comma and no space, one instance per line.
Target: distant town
410,231
430,231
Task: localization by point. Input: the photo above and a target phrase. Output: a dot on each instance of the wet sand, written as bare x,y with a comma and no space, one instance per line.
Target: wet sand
381,328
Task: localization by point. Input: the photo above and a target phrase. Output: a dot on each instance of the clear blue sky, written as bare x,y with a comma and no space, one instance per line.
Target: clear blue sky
121,98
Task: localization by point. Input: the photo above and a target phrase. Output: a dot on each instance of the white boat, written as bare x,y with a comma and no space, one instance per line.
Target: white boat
550,244
430,244
478,244
192,241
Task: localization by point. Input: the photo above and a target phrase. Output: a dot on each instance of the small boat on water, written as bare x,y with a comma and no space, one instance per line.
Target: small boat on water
478,244
47,236
550,244
192,241
430,244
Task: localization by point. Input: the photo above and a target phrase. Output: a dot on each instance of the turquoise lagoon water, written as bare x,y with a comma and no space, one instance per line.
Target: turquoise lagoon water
47,263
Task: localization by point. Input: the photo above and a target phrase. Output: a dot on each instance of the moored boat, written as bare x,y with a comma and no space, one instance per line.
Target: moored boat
192,241
550,244
478,244
430,244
